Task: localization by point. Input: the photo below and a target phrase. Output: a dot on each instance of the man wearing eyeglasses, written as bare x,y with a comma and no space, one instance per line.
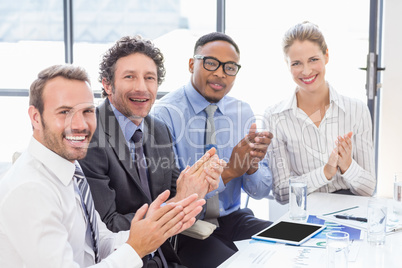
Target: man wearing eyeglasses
231,129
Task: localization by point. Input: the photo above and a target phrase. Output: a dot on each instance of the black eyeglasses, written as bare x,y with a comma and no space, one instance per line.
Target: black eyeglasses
211,64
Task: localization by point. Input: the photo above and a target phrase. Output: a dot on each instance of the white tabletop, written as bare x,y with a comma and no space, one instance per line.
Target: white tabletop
387,256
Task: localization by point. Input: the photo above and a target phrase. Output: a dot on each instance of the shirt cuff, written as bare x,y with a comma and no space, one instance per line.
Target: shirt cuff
220,189
319,177
352,171
124,256
259,184
253,176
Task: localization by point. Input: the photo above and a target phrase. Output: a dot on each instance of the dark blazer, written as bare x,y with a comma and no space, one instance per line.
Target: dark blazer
111,173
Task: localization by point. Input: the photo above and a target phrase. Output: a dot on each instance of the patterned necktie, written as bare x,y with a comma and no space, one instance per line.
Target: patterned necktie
142,173
212,205
89,208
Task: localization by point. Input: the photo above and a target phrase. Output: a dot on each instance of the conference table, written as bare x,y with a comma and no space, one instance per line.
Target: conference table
254,253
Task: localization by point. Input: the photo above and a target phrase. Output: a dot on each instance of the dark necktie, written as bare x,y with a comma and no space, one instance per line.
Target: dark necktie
141,163
142,173
212,204
89,208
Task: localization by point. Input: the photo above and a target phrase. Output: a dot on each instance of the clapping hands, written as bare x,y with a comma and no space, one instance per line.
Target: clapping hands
341,156
247,154
202,177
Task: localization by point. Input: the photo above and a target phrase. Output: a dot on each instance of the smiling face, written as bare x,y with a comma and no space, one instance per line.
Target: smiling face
135,86
213,85
307,63
68,120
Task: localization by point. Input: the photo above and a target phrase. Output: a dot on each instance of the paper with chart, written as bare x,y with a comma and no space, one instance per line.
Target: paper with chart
259,254
319,240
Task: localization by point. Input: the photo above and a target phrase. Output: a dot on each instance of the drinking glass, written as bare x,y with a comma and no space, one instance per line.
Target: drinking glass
376,221
337,249
298,198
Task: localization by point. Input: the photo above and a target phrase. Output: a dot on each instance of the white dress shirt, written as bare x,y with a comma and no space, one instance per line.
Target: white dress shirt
300,148
42,223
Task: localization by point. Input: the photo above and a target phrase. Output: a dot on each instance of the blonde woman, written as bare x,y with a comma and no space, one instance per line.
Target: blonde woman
318,133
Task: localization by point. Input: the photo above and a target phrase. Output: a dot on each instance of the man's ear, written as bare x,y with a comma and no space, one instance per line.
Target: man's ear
107,86
34,115
191,65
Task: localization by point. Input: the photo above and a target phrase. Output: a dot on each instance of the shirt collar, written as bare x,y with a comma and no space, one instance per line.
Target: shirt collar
59,166
126,125
198,102
335,99
291,103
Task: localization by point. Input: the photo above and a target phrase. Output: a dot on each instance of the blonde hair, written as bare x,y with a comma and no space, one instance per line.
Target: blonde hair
301,32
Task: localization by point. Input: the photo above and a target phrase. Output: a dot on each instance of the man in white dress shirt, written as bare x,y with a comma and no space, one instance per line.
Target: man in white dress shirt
42,218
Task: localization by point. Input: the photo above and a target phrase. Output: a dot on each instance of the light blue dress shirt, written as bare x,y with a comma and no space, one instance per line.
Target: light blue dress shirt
127,126
183,112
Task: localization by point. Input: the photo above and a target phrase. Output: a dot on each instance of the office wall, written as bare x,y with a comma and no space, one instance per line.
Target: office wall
390,135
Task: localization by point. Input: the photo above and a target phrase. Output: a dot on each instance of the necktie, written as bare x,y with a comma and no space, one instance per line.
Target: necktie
140,162
212,204
142,173
89,208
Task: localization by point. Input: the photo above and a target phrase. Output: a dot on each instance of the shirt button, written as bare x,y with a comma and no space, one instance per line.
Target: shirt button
221,209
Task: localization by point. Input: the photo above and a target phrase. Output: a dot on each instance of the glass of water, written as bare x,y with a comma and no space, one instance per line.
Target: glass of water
298,198
376,221
337,249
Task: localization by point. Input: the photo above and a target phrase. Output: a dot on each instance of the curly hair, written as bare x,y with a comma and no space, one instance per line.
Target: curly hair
125,46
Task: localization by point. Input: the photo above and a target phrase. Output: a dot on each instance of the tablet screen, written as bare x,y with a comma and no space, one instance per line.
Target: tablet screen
289,232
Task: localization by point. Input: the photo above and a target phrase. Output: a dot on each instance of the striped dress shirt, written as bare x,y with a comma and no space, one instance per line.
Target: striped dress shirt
300,148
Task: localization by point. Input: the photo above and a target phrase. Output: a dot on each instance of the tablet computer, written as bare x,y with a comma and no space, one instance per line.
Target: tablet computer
294,233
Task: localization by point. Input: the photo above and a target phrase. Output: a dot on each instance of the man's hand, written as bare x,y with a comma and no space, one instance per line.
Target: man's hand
213,170
192,206
160,223
201,178
260,146
247,154
344,152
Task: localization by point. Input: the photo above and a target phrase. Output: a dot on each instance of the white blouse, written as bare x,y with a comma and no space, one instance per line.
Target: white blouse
300,148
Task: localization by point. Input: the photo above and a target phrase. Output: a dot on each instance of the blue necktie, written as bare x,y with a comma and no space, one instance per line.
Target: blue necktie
89,208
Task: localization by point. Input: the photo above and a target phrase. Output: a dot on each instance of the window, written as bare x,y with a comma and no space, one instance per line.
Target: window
31,39
258,29
173,25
